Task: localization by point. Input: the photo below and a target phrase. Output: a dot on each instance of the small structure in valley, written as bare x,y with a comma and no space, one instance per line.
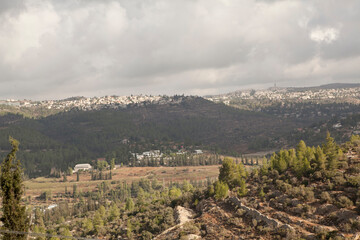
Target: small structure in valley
83,167
198,151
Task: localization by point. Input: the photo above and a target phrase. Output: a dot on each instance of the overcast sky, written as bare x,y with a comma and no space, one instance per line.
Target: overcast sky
53,49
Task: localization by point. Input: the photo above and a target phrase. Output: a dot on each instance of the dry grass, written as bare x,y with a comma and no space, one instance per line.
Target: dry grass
35,187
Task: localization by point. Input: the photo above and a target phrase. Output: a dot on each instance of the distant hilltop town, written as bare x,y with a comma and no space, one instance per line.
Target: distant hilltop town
93,103
345,94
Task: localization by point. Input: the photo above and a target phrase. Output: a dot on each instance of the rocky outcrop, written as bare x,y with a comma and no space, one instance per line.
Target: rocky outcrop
183,215
258,216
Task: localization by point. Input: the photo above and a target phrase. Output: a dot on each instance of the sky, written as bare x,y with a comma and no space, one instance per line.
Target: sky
51,49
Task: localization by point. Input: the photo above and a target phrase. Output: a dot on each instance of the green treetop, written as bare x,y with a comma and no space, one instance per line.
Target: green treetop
330,148
14,215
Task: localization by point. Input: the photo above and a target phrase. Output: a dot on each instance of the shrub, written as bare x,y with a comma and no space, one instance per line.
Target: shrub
339,180
325,197
254,222
343,165
344,202
309,195
146,235
354,169
355,224
329,185
190,228
308,209
261,193
345,227
240,212
317,175
354,180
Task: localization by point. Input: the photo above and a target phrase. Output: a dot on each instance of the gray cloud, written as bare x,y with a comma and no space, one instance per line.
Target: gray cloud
11,6
56,49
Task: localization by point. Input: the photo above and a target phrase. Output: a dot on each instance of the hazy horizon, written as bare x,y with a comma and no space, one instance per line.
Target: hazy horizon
139,94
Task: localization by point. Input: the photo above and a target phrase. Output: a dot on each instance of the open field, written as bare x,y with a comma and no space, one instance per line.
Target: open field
34,187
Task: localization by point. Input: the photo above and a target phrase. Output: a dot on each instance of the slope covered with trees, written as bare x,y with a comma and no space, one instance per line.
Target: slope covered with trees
64,139
67,138
302,193
307,192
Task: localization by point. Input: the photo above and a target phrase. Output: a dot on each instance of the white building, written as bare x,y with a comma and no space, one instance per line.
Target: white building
83,166
198,151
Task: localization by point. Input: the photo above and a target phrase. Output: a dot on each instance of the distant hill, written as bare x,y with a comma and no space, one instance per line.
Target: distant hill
67,138
64,139
328,86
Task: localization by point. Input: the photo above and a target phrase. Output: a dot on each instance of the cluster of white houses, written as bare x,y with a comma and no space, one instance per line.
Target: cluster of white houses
152,154
156,154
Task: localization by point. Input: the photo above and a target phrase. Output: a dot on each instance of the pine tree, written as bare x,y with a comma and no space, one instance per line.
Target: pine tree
39,226
221,190
331,150
301,150
306,166
282,165
129,204
75,192
242,190
265,167
14,215
114,212
112,164
232,173
320,158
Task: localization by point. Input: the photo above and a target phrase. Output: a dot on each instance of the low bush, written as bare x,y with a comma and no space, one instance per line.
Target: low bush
344,202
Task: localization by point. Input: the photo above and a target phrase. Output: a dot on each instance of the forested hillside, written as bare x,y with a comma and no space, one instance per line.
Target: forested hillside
64,139
307,192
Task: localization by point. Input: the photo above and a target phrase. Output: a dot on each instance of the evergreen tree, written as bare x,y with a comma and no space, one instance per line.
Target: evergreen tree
114,212
232,173
129,204
292,157
282,165
306,166
112,164
221,190
87,225
227,171
14,215
320,158
242,190
301,150
39,226
69,171
265,167
331,150
75,192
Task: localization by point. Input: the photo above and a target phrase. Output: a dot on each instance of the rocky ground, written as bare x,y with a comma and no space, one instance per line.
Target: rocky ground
314,207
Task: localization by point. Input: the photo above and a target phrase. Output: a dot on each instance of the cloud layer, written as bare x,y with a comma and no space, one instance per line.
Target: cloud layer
57,49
